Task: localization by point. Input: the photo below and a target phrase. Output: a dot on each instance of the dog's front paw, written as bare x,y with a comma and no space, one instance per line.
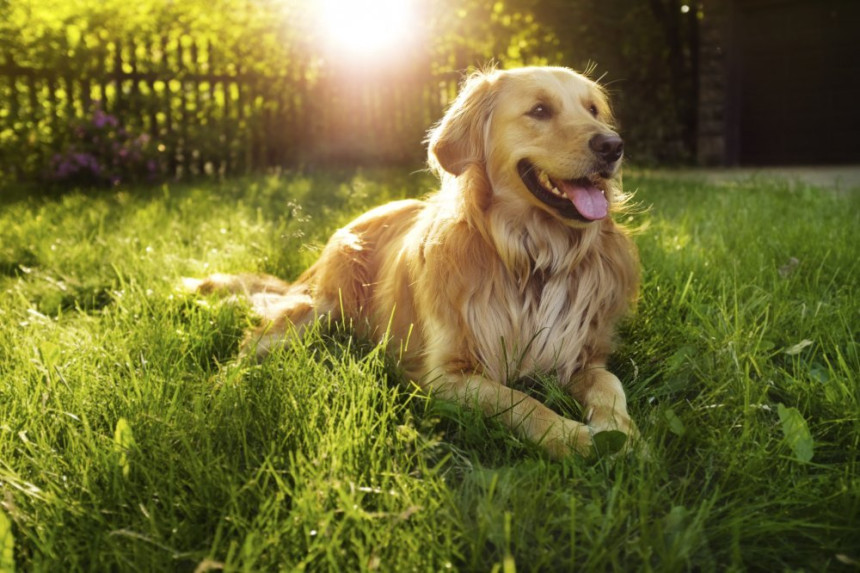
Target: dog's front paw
566,438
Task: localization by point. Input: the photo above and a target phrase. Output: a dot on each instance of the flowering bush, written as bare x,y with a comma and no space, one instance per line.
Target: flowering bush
103,152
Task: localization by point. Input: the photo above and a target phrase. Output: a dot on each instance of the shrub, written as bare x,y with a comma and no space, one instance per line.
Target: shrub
102,152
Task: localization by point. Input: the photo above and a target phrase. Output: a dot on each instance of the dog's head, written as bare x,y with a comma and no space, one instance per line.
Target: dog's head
544,137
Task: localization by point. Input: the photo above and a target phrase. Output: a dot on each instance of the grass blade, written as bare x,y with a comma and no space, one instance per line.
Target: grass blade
7,545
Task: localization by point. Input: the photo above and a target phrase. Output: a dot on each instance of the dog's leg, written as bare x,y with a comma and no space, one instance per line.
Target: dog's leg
532,420
285,318
244,284
601,394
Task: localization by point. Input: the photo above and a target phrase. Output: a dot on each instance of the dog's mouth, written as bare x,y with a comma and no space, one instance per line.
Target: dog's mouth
584,198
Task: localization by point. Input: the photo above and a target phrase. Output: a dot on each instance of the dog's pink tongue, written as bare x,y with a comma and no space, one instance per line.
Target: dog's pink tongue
588,200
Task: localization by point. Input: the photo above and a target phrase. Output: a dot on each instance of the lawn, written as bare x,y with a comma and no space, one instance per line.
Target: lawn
132,439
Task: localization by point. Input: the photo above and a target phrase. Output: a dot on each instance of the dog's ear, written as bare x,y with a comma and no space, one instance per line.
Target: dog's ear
458,140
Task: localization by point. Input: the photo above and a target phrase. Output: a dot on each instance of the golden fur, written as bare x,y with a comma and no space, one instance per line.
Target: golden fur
484,282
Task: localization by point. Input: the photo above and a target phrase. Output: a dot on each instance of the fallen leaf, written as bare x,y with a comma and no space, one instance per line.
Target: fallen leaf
796,432
798,348
609,442
409,512
208,565
676,426
788,268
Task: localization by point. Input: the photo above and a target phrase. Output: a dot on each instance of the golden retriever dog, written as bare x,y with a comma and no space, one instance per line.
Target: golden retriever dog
513,268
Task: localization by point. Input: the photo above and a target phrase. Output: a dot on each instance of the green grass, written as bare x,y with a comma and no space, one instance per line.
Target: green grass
131,439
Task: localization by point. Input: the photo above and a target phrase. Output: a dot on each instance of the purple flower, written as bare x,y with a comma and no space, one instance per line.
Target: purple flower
65,169
103,151
99,119
102,119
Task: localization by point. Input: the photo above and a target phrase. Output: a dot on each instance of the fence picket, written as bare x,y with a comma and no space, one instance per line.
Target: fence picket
208,118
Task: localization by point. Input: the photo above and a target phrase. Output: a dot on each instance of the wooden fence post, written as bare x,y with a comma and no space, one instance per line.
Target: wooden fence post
213,118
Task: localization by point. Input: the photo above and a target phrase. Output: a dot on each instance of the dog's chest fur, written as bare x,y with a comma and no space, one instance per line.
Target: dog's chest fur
544,328
543,317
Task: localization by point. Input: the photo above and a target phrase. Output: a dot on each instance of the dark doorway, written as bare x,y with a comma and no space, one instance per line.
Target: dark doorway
799,72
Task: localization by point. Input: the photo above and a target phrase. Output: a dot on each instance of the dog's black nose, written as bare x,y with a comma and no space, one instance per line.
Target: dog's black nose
607,147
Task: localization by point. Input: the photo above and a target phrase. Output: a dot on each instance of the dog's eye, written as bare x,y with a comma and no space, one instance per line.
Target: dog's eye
540,111
593,110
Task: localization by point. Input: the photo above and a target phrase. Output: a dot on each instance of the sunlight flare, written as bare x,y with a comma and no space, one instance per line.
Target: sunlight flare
366,28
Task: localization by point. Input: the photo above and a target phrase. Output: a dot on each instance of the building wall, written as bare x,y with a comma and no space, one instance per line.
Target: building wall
714,46
779,82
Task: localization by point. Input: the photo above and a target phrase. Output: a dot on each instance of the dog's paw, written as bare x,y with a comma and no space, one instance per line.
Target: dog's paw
567,438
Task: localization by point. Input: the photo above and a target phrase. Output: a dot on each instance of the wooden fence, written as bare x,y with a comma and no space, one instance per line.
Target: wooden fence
205,117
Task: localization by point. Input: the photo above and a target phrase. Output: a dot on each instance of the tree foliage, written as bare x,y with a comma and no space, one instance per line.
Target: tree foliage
643,51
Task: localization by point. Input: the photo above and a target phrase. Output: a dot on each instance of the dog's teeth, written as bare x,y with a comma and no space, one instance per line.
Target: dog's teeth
544,179
547,183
